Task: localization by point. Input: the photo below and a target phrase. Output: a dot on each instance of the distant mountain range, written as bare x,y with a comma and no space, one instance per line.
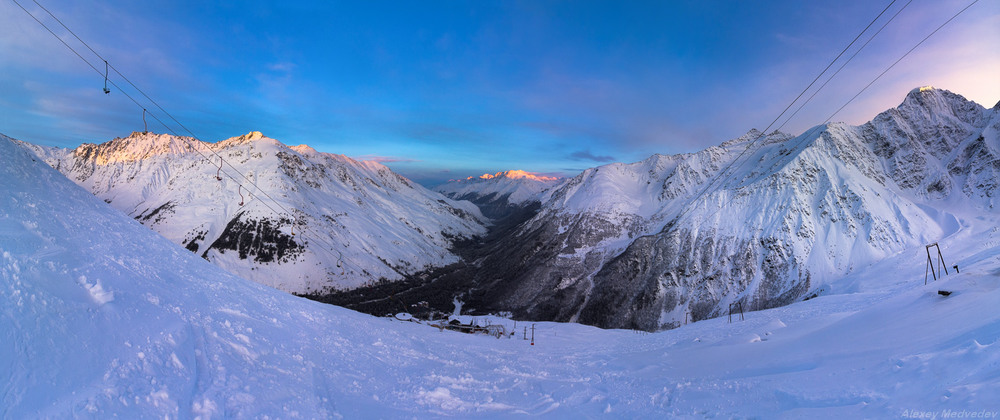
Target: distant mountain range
500,193
761,220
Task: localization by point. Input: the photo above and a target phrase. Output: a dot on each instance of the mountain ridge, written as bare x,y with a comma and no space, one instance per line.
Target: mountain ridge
638,246
866,220
240,202
648,245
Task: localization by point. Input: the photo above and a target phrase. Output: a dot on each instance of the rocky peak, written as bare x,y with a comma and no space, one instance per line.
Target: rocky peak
939,105
253,137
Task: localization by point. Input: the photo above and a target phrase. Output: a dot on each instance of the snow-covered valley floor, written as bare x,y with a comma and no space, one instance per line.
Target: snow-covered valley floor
102,318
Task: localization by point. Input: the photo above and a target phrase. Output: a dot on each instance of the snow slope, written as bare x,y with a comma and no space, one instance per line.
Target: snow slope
100,318
357,222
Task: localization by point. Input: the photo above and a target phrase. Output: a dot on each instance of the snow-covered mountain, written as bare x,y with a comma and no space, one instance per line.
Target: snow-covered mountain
500,193
645,245
641,246
288,217
102,318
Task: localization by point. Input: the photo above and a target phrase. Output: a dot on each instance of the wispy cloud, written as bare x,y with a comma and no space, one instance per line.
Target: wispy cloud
385,159
586,155
283,67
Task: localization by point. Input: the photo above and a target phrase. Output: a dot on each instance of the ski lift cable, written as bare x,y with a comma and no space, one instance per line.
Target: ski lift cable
126,79
763,133
89,64
304,229
63,42
222,159
147,97
212,151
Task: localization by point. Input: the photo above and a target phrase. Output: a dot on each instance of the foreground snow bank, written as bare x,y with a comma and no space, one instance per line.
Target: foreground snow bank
100,317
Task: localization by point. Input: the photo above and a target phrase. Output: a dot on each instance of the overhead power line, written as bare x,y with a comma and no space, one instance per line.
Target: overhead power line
808,134
844,64
900,59
723,174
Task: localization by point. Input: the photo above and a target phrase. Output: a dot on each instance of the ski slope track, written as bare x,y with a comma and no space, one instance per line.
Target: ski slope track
365,223
637,246
102,318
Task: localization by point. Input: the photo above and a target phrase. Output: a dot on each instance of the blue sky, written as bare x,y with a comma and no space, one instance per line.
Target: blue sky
440,90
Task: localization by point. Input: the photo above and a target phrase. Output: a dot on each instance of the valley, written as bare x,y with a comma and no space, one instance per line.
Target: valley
760,221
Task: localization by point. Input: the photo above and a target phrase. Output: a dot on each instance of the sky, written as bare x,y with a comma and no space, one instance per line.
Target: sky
442,90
